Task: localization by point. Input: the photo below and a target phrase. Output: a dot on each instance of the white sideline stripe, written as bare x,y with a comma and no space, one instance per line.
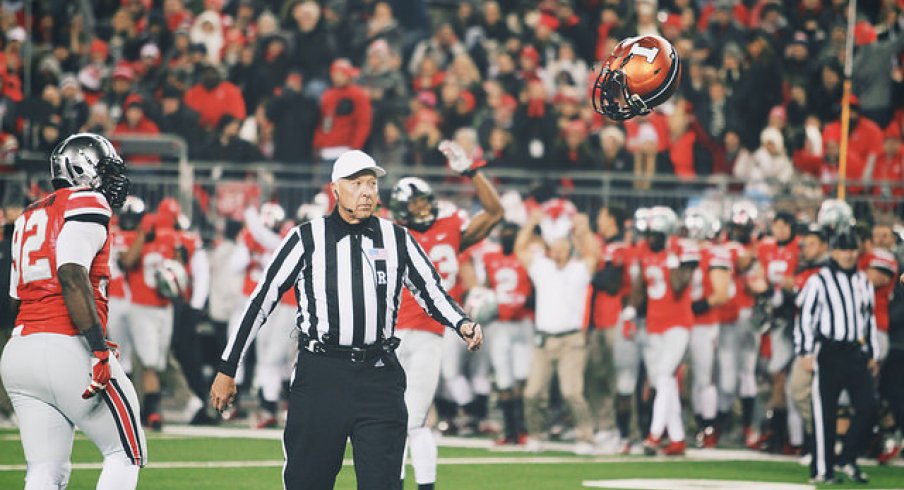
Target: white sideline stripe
682,484
346,462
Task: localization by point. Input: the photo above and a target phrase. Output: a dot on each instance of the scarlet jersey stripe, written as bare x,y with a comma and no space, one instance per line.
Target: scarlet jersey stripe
125,422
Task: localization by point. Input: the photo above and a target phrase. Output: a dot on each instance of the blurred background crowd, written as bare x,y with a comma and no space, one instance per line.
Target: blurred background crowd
297,81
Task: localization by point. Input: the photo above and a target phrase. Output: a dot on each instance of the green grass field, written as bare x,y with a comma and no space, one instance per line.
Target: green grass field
198,463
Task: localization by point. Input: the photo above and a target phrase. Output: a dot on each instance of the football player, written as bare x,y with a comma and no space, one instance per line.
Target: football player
151,312
263,233
778,256
709,291
443,235
663,280
510,348
739,342
60,269
122,233
612,286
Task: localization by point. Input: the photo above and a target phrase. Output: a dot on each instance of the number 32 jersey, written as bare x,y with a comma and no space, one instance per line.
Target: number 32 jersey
34,269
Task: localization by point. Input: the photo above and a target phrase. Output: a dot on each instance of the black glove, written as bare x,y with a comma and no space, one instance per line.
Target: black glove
700,306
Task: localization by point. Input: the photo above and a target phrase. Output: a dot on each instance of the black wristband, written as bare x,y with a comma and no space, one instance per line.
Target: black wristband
700,306
469,172
95,337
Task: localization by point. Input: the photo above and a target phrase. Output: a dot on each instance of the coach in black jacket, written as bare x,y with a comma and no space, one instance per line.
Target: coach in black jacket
347,270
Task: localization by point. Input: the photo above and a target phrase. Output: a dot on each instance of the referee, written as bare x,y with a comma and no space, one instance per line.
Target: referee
347,270
836,339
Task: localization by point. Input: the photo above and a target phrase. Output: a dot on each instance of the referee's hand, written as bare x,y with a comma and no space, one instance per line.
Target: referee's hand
473,335
222,392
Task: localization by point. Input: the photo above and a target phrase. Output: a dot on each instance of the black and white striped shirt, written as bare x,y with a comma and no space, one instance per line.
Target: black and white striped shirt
348,281
838,306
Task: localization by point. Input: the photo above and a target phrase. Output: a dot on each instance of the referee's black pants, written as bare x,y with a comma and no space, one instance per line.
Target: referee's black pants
332,399
841,366
891,388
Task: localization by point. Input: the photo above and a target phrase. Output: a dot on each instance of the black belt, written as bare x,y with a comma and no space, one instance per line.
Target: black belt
353,354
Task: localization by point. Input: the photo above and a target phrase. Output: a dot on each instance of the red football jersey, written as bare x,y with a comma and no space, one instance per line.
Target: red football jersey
712,257
260,257
442,244
779,262
740,298
801,276
120,241
509,279
884,261
34,268
606,307
665,309
142,281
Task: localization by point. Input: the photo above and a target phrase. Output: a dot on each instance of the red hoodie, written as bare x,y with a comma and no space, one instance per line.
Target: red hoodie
345,118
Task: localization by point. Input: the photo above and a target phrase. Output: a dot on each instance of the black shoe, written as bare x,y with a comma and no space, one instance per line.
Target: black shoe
853,472
201,417
825,480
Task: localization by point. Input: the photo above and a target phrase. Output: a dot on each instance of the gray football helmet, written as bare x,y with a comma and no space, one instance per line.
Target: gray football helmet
88,159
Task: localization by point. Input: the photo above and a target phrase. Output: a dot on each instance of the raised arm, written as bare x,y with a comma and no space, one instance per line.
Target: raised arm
484,221
525,237
585,242
491,214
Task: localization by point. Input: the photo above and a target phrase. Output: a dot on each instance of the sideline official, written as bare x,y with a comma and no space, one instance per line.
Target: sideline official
347,270
836,339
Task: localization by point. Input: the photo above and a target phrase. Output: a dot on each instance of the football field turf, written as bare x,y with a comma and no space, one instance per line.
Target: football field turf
198,459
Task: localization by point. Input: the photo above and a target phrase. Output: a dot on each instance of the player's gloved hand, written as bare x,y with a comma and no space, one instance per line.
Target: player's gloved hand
459,161
114,348
628,329
100,373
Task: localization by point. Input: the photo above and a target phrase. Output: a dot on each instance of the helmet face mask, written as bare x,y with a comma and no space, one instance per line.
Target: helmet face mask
640,74
131,213
405,192
87,159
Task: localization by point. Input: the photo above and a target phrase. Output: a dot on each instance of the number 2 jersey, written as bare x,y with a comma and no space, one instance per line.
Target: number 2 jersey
34,269
442,243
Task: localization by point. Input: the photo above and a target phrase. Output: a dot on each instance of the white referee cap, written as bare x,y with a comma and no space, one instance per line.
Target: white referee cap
352,162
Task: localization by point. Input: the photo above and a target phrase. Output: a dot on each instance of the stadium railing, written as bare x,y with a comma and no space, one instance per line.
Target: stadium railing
212,191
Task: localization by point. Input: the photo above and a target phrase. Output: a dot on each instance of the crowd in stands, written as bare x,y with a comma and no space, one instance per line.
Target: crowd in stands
298,80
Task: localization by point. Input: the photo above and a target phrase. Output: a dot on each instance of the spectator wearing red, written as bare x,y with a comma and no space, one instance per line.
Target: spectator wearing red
176,15
865,139
428,76
213,97
135,122
830,168
345,113
889,172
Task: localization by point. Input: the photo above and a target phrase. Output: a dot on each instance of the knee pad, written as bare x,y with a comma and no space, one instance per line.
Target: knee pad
47,475
119,473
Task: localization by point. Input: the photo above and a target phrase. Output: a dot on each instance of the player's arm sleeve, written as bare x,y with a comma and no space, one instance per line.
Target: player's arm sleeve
239,259
808,320
79,242
426,285
13,271
279,276
200,278
263,235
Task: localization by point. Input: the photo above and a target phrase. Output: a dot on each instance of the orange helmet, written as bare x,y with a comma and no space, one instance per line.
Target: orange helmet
642,72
